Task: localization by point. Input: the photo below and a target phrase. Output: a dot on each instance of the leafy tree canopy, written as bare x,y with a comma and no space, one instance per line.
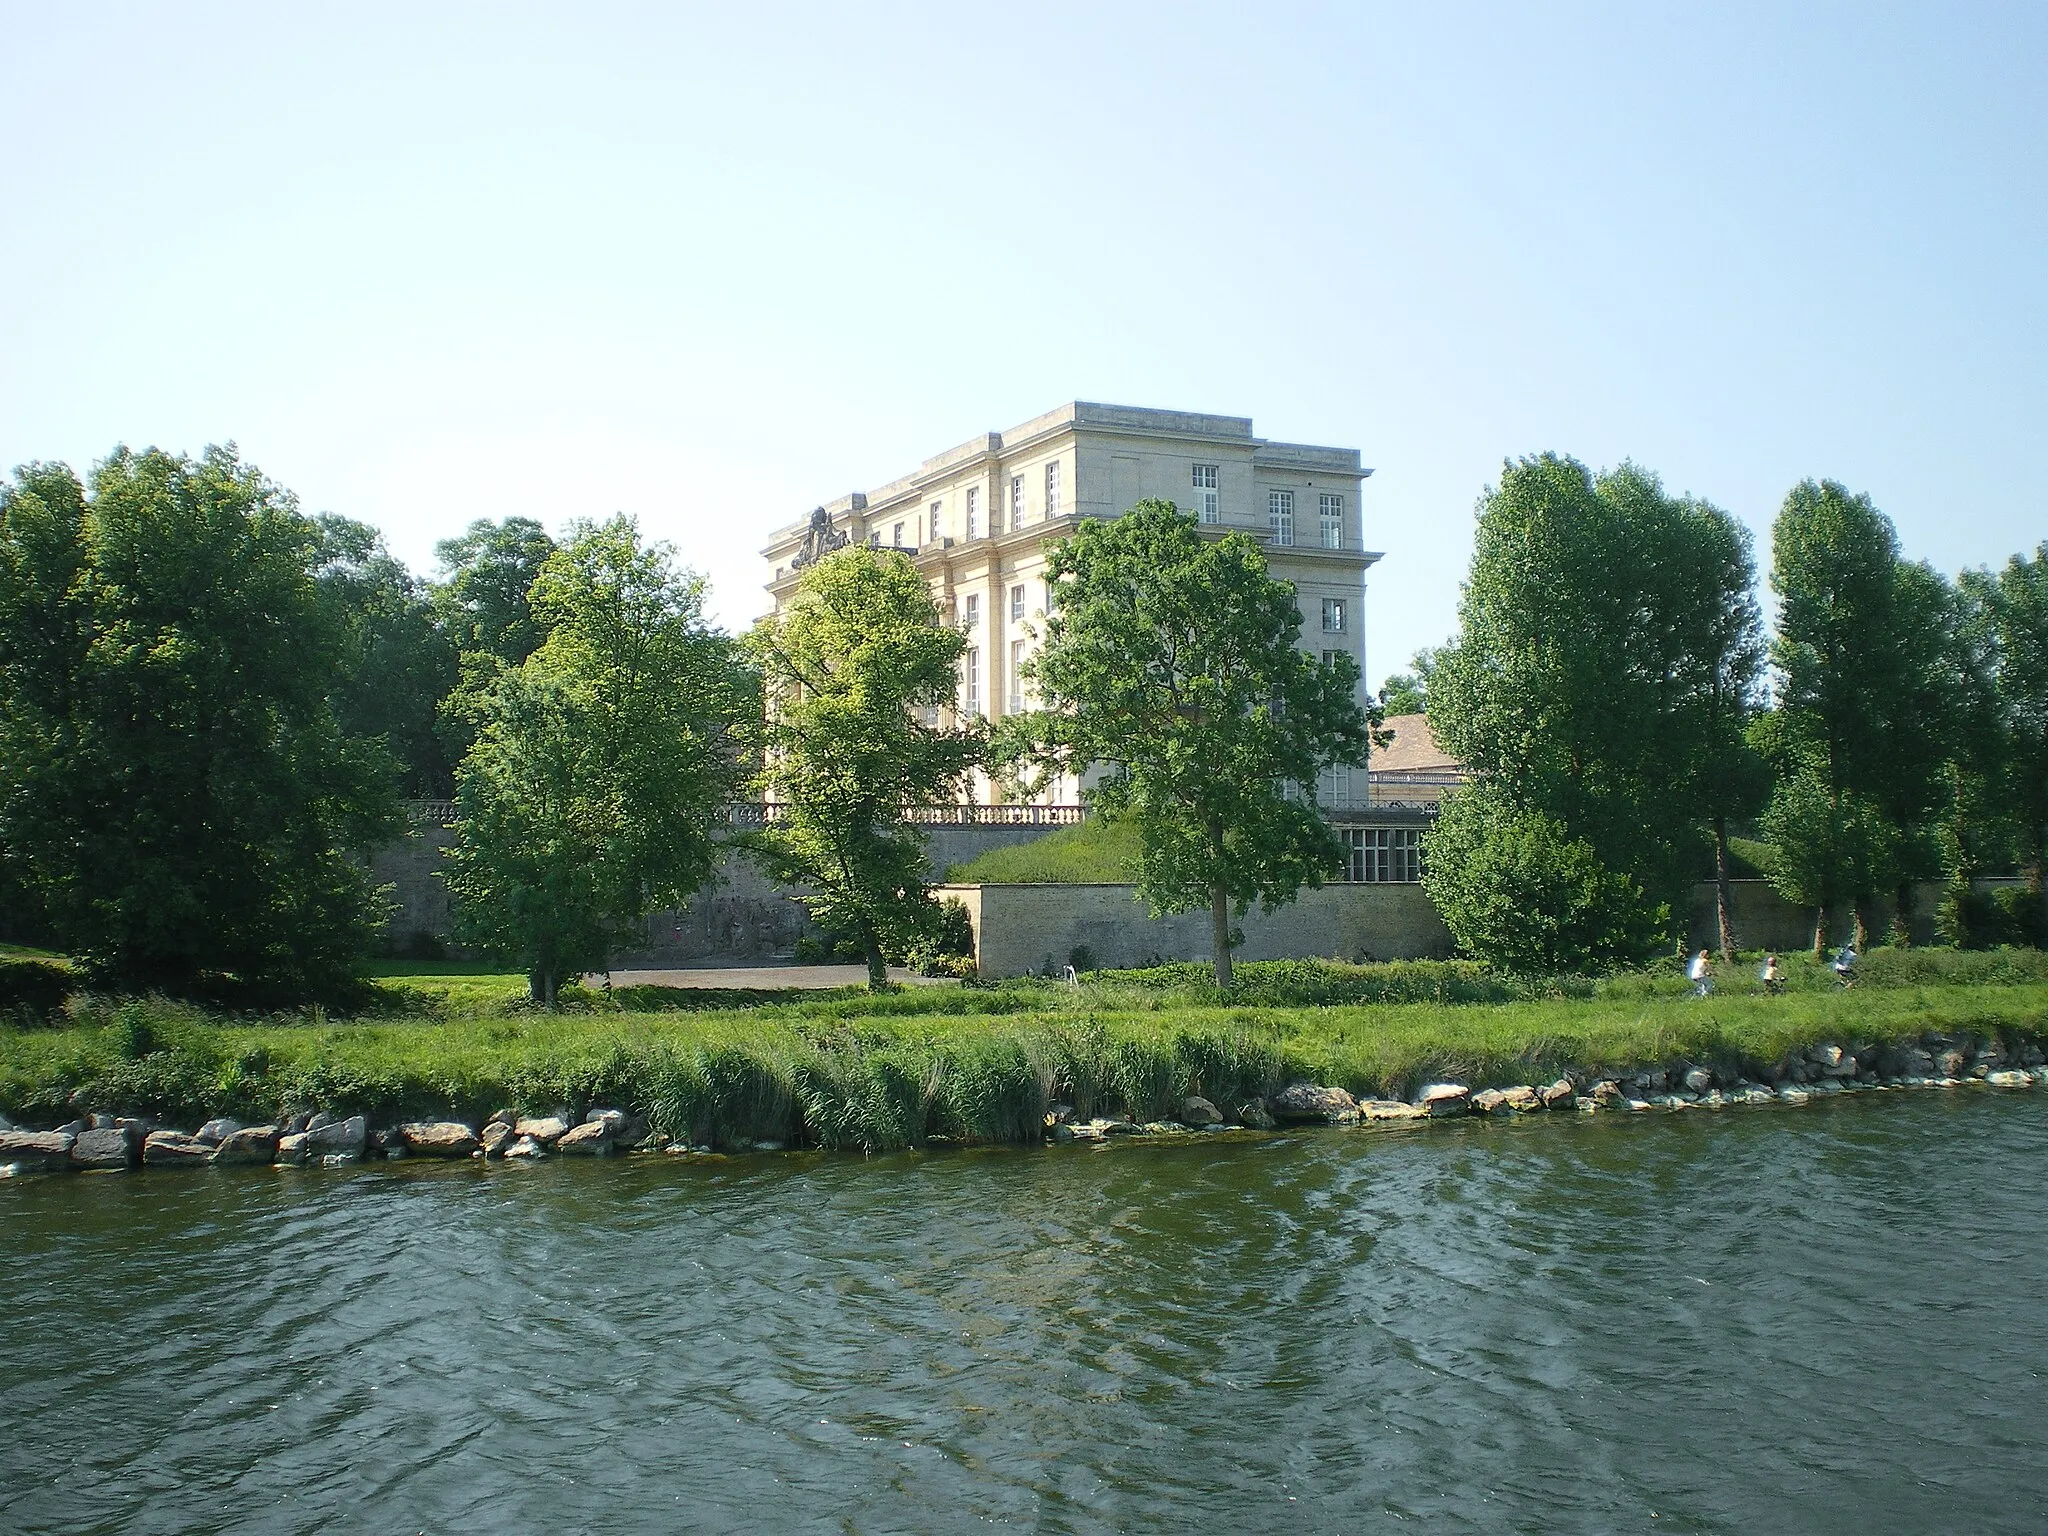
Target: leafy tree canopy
487,574
1868,652
397,664
182,796
1606,664
860,675
594,792
1174,685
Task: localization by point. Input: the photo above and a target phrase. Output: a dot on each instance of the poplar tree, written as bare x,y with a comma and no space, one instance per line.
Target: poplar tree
1605,668
1864,650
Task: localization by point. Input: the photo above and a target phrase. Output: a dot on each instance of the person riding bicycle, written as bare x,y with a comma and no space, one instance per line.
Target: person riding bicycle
1845,965
1773,977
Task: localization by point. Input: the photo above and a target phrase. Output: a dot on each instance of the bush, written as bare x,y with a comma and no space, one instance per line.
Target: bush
1517,890
1974,919
33,991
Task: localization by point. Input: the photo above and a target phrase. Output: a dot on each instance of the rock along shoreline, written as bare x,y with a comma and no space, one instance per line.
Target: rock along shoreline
121,1143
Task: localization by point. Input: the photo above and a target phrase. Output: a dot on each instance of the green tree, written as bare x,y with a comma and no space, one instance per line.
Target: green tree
182,800
859,673
1865,654
1405,693
602,763
482,597
397,665
2014,607
1516,887
1174,685
1606,662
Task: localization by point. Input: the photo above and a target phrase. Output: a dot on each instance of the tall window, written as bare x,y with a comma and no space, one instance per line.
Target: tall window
1333,615
1207,497
1017,677
973,616
1382,855
1330,511
970,666
935,521
1052,489
1280,514
896,535
1017,601
1016,502
974,512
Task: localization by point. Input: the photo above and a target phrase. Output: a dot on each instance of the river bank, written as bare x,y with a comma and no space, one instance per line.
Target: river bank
134,1085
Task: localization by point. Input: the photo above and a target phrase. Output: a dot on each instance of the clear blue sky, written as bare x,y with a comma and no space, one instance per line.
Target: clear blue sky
714,268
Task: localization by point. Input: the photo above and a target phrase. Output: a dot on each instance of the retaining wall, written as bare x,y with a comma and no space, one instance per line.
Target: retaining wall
1020,928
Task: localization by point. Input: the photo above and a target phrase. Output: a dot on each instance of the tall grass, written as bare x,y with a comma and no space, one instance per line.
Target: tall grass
902,1070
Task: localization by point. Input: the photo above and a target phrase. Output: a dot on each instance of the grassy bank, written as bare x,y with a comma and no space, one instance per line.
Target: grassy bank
978,1064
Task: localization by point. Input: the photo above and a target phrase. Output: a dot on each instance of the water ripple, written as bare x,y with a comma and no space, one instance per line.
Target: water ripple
1824,1320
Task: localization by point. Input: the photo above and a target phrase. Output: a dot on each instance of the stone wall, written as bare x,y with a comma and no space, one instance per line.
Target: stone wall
740,918
1020,928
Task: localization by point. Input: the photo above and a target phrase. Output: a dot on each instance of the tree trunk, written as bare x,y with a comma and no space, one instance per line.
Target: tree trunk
878,968
1859,930
1219,932
1820,931
1902,915
1723,896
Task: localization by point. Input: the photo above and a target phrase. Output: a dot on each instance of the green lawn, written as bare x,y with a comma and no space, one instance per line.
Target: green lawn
848,1069
1093,852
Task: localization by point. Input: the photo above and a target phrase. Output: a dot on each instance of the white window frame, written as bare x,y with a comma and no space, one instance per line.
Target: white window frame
1016,677
1330,515
1017,601
973,511
1052,489
972,612
1208,494
1016,502
1339,609
1382,855
1280,516
937,506
971,686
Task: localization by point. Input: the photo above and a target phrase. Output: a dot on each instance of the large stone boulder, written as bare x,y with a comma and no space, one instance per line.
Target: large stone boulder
1559,1095
497,1136
250,1144
174,1149
338,1138
111,1146
1199,1112
1441,1099
1253,1112
591,1139
544,1129
1522,1099
1311,1101
1390,1109
47,1151
291,1148
439,1138
214,1132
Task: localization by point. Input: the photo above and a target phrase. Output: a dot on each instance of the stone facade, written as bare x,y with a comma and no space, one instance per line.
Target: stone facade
977,518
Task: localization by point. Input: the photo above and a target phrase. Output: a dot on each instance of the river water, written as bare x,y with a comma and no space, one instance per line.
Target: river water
1831,1318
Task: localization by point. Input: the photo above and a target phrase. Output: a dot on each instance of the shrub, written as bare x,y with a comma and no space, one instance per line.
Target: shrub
1516,889
33,991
